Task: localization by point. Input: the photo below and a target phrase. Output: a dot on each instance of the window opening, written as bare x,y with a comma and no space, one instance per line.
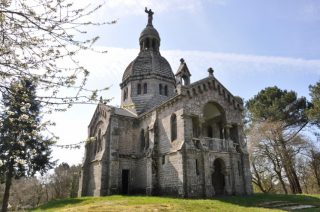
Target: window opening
173,127
139,89
160,89
145,88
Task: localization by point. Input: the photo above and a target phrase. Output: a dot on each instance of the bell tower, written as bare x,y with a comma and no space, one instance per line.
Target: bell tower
148,80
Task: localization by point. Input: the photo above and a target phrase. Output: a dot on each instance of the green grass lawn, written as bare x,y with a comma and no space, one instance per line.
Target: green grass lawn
143,203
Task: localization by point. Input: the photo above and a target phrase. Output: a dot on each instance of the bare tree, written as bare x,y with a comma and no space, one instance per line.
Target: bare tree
39,40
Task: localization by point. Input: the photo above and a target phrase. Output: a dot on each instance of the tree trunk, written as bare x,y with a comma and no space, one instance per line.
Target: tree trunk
6,195
278,172
281,181
257,179
316,167
276,167
290,170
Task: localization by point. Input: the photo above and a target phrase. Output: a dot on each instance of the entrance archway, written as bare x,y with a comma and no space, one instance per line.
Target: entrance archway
218,180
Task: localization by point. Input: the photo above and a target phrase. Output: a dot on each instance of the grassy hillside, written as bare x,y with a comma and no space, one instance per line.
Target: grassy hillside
142,203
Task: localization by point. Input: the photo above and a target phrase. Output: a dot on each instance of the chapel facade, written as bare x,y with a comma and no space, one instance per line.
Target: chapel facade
170,136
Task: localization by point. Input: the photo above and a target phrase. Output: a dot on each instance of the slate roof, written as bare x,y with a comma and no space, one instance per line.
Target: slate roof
148,63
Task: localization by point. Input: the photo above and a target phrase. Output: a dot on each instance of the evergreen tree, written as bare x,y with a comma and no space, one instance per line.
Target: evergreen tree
24,150
314,112
286,116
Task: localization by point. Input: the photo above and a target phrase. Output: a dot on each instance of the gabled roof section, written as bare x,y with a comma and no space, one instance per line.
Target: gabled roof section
103,110
124,112
183,69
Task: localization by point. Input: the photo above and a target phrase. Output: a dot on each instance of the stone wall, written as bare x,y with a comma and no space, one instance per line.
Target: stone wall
92,175
171,174
164,129
139,103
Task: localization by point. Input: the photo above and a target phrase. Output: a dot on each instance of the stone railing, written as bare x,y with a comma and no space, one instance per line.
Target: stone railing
214,144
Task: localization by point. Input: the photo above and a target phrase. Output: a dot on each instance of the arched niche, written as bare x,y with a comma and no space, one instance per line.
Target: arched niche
214,120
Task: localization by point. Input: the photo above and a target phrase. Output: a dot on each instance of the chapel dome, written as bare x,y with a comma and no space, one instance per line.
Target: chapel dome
148,64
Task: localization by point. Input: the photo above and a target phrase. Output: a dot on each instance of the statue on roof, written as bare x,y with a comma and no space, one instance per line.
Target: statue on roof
150,16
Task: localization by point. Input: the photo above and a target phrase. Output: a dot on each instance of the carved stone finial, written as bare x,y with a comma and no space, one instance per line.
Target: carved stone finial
101,100
150,16
182,60
210,70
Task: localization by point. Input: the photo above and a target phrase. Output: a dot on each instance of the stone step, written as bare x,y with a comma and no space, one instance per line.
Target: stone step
298,207
283,205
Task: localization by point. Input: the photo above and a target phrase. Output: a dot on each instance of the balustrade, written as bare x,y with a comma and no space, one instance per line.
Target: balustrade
214,144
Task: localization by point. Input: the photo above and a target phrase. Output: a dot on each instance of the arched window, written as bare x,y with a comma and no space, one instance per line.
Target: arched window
95,146
139,89
197,167
173,122
145,88
160,89
166,90
142,140
147,138
99,141
154,44
125,94
209,132
239,168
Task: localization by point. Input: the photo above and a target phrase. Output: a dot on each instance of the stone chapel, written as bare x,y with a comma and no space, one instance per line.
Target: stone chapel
170,136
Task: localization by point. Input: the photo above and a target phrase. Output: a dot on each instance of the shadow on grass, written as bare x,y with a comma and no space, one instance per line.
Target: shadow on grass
60,203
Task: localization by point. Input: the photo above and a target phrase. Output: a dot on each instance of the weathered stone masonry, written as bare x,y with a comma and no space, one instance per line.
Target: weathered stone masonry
170,136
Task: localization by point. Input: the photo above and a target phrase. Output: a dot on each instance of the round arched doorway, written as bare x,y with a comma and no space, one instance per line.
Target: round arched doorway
218,180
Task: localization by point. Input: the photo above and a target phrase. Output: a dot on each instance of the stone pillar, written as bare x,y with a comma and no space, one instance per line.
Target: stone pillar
232,175
227,136
201,123
152,152
227,131
228,180
208,187
247,174
149,176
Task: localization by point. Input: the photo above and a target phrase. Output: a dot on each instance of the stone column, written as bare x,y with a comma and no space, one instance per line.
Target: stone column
201,123
209,190
152,151
228,180
227,136
227,132
149,176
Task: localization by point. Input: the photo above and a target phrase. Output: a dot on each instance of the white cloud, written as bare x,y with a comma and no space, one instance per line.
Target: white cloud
122,8
135,7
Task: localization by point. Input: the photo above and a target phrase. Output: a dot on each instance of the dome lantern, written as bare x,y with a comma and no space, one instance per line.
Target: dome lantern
149,37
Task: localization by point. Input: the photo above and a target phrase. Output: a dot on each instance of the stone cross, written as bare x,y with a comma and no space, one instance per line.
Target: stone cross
150,16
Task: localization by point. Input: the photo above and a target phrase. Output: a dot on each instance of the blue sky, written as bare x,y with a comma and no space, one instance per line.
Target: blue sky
251,44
